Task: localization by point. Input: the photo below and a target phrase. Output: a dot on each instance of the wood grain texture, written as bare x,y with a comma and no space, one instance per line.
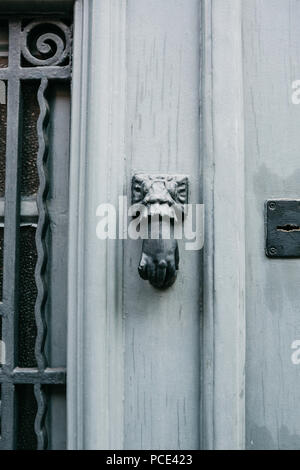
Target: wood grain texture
271,64
162,329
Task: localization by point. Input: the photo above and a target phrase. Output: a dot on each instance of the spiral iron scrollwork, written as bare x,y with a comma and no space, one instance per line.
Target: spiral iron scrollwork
46,43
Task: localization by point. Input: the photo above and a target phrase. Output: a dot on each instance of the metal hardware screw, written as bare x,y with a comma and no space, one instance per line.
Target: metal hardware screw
272,206
272,251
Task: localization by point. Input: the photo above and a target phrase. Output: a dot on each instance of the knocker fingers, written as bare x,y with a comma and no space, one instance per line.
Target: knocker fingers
161,273
171,274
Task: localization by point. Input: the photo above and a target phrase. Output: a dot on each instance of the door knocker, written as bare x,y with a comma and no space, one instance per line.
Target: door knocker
159,203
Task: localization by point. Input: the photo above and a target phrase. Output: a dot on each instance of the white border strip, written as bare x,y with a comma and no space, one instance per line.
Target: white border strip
95,320
2,353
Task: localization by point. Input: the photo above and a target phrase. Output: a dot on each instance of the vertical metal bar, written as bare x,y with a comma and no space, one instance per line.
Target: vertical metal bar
11,231
8,416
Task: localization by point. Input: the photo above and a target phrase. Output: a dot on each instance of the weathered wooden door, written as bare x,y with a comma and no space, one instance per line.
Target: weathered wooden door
207,89
197,94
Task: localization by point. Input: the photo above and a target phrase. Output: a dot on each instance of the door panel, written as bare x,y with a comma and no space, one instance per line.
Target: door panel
271,63
162,328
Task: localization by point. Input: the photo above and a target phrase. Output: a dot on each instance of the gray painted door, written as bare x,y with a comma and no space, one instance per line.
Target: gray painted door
272,143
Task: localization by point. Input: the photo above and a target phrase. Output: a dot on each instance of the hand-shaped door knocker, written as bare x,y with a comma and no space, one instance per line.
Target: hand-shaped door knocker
158,202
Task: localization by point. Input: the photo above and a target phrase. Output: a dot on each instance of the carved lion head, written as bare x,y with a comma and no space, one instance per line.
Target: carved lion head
163,195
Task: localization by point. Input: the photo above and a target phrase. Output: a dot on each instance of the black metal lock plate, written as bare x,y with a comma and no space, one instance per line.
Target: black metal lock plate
282,225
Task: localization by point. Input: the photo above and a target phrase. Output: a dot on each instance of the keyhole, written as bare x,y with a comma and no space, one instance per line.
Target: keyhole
289,228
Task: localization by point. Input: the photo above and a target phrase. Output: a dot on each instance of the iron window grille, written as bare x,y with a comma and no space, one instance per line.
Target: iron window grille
39,52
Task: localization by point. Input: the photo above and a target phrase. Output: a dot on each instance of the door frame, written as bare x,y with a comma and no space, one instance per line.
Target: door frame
95,317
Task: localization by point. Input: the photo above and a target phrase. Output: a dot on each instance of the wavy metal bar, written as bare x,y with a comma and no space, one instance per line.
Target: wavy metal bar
39,424
43,223
41,266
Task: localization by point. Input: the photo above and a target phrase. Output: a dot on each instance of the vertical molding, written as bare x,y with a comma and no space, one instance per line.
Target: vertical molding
223,375
95,318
